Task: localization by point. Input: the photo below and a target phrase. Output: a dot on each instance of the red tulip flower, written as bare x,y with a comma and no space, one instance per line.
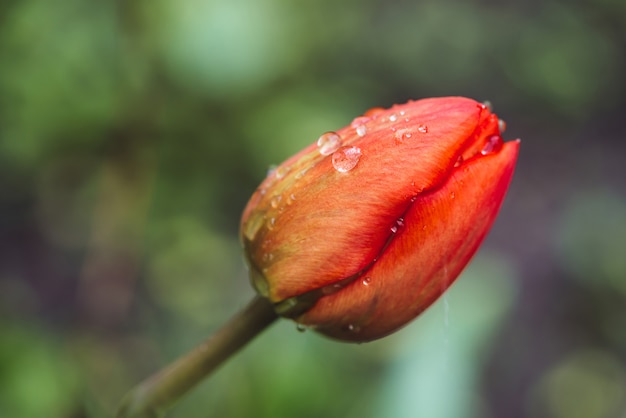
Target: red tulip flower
358,233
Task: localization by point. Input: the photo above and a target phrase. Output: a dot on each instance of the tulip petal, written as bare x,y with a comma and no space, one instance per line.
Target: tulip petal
309,226
442,230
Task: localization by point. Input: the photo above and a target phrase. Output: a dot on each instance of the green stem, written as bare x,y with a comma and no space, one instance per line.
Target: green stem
155,395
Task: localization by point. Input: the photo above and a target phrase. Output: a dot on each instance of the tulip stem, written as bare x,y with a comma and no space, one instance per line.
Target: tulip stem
152,397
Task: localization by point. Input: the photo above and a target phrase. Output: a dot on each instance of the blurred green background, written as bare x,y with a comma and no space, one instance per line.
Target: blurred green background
133,133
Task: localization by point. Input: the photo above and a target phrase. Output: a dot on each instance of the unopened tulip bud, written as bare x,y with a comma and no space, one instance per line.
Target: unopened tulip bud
358,233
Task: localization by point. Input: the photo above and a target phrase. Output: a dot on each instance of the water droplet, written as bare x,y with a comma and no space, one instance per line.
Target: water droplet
367,281
407,119
487,104
422,128
396,227
359,125
403,135
291,199
501,125
493,144
458,161
354,328
281,171
452,195
346,158
393,117
271,223
276,201
402,112
300,327
328,143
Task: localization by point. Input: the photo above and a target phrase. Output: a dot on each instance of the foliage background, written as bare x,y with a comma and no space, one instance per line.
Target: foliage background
132,134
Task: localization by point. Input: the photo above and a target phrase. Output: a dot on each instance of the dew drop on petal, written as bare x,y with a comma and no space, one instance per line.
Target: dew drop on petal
300,327
487,104
367,281
393,117
271,223
281,171
346,158
452,195
493,144
402,135
328,143
276,201
458,161
398,225
422,128
359,125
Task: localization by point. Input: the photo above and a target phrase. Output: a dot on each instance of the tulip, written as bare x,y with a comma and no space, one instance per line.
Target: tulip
358,233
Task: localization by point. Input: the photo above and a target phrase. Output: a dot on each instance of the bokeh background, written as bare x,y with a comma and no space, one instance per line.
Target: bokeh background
132,134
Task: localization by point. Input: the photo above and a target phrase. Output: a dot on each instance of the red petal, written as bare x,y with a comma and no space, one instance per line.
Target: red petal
338,223
443,230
